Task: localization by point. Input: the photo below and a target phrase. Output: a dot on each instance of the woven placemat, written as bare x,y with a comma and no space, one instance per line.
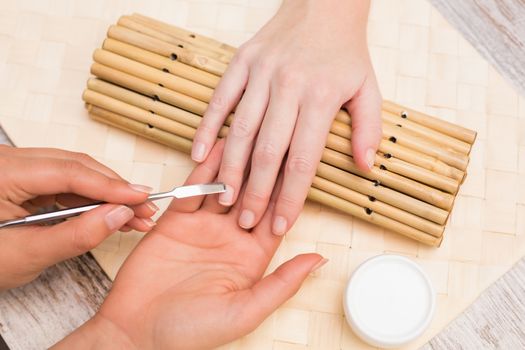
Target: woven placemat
421,62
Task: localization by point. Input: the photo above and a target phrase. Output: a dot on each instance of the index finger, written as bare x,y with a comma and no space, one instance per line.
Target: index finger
46,176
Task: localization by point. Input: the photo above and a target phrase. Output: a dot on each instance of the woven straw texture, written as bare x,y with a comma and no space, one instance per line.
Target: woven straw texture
421,62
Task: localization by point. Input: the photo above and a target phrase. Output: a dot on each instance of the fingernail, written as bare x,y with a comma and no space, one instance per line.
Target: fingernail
150,223
226,198
141,188
320,264
279,226
370,158
246,219
198,151
117,217
152,206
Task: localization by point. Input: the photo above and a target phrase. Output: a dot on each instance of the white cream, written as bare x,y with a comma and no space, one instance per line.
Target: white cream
389,301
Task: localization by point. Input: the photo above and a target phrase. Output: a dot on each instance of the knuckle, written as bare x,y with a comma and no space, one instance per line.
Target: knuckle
264,64
300,164
257,196
320,92
265,154
243,54
82,157
205,130
72,167
83,240
241,127
218,104
288,77
232,170
290,202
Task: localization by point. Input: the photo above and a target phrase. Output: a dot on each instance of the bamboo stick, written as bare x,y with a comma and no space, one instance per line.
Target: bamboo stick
138,114
137,26
415,189
178,32
184,86
140,129
430,134
420,143
160,62
165,49
148,104
349,196
147,88
440,125
399,150
411,140
182,116
340,204
143,102
377,206
384,194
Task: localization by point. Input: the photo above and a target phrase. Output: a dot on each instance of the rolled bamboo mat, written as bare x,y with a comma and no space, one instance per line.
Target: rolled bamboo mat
155,80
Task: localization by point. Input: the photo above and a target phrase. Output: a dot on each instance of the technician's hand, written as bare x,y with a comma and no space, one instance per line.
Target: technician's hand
289,81
194,282
31,179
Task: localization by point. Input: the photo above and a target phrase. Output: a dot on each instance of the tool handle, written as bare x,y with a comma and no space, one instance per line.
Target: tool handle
59,214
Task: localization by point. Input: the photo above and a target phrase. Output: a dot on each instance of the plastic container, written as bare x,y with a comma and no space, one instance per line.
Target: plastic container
389,301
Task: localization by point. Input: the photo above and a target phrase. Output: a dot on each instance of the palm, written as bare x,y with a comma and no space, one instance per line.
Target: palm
200,264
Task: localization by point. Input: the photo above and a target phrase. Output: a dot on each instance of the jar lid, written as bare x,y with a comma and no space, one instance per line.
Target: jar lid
389,301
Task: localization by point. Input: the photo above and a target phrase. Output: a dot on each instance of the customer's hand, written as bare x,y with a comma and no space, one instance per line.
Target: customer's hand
289,81
196,281
32,179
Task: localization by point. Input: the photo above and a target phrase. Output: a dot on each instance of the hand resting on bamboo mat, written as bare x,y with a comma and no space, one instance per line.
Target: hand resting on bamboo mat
32,179
196,280
286,85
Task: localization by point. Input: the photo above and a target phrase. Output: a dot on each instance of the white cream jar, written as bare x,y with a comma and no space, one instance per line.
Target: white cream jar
389,301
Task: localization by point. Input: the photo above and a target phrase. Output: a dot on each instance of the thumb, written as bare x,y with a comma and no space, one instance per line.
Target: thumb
365,110
76,236
273,290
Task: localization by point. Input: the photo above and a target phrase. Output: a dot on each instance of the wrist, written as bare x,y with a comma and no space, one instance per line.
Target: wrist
97,333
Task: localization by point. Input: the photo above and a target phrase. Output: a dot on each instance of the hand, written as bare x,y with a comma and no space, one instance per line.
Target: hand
32,179
291,79
194,282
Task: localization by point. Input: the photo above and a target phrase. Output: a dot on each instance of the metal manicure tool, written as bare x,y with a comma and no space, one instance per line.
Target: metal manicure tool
177,192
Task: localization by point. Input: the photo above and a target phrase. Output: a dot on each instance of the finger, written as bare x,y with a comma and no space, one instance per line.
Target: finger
61,154
44,176
263,231
365,109
271,146
211,204
10,210
52,244
203,173
273,290
241,136
141,224
303,157
225,98
125,228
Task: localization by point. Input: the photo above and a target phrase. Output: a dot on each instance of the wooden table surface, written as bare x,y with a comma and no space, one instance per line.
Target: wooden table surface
69,293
